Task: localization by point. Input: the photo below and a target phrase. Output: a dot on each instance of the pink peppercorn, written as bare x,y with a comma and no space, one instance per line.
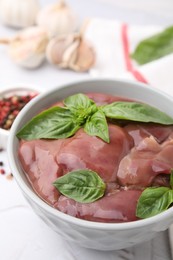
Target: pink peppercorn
2,171
10,107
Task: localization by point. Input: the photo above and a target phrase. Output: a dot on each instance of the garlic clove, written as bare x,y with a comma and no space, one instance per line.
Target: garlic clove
56,48
19,13
58,19
28,48
85,57
71,51
70,54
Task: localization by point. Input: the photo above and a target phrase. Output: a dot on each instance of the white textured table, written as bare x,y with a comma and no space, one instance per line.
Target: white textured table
22,235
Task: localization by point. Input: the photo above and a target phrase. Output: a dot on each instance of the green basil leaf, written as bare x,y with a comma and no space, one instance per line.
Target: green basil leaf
78,101
96,125
83,185
54,123
154,47
154,201
136,112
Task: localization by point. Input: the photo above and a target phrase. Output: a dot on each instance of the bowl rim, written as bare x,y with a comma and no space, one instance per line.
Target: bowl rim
58,214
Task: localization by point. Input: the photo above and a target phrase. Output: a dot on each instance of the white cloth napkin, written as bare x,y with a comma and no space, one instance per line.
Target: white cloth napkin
113,41
23,236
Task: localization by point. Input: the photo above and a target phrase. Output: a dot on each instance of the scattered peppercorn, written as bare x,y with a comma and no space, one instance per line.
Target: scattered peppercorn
2,171
10,107
1,163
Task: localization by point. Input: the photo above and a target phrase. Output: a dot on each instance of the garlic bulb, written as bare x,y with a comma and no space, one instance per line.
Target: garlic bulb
28,48
57,18
71,51
19,13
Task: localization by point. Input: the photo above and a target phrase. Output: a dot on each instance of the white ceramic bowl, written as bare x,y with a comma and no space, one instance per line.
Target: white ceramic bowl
8,92
102,236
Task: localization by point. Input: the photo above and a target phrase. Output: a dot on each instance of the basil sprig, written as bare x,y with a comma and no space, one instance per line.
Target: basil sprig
83,186
154,47
63,122
155,200
80,111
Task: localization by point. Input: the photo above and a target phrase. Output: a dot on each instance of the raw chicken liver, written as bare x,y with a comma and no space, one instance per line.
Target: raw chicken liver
138,156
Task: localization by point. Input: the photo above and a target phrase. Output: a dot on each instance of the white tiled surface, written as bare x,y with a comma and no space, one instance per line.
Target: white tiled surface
12,227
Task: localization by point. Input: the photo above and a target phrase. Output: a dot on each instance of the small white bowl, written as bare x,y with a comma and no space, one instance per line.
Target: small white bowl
102,236
8,92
